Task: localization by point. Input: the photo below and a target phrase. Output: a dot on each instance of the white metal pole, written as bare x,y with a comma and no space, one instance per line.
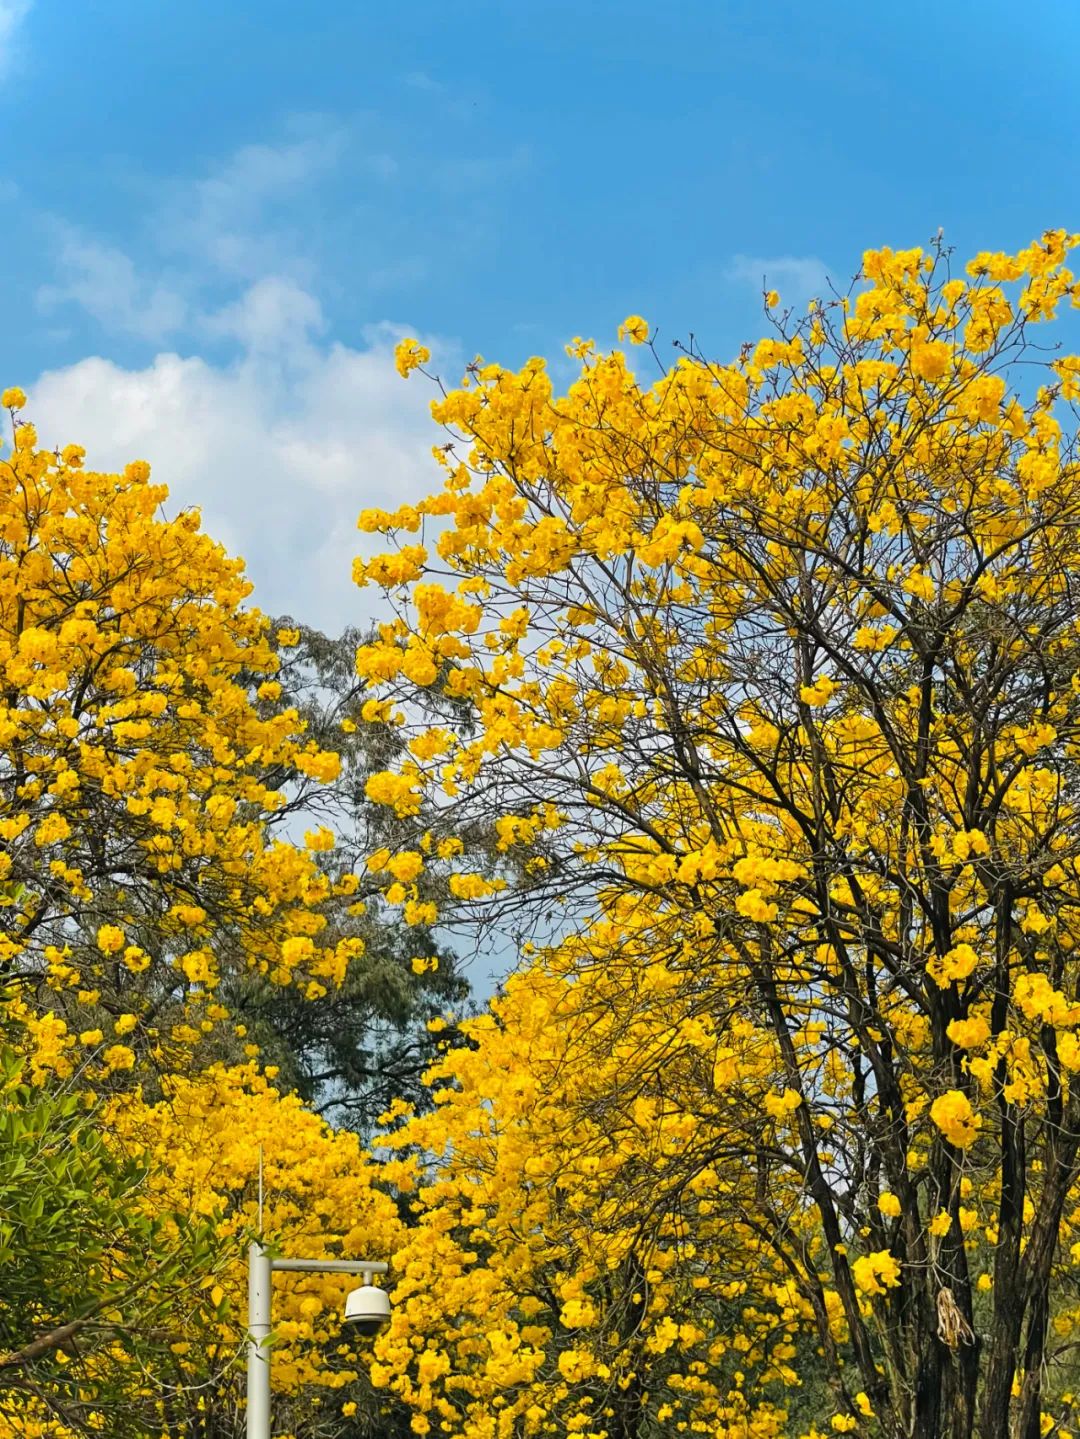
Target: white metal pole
258,1355
260,1281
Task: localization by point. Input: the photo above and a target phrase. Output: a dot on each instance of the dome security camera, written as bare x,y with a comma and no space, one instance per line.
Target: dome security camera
367,1310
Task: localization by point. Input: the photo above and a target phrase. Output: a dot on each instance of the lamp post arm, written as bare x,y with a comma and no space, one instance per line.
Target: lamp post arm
332,1266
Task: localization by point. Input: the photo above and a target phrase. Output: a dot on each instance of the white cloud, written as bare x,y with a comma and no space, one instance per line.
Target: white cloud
484,170
282,442
273,315
237,226
421,80
222,221
104,282
798,278
408,270
281,449
12,14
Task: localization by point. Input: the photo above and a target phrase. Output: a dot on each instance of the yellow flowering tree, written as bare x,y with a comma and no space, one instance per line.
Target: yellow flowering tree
155,875
359,1045
143,760
770,675
564,1273
200,1144
96,1283
123,1252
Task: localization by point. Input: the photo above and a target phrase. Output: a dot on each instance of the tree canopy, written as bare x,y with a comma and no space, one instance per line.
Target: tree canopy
176,908
741,698
772,669
133,769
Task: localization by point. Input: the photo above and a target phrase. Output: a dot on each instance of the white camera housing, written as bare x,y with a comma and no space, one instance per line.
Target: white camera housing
367,1309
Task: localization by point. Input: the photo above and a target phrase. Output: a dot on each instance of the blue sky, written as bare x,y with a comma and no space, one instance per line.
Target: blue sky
220,216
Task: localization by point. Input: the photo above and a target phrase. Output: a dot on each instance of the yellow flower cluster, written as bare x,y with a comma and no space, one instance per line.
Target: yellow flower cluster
139,707
527,1250
875,1273
202,1143
954,1116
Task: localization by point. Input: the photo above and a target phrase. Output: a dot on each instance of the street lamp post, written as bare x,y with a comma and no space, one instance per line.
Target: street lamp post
261,1269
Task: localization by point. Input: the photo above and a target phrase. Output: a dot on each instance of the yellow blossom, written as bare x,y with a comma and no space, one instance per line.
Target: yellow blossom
410,355
635,329
954,1116
876,1272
